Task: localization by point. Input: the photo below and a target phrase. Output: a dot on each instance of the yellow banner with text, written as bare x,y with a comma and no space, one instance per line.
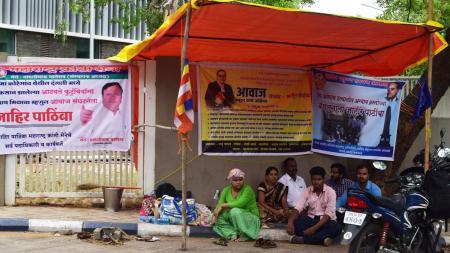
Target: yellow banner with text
254,110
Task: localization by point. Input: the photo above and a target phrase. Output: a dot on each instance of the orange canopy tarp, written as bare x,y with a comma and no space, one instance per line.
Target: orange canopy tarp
233,31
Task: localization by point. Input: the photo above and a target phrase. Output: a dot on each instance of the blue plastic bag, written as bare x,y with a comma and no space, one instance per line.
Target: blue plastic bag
171,209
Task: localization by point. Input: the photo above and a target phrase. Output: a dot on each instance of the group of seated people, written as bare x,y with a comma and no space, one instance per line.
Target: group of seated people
310,212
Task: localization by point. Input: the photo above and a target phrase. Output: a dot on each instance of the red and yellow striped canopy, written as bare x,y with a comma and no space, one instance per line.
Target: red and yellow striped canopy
235,31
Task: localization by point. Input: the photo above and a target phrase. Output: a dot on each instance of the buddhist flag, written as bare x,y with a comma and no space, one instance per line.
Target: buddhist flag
424,100
184,112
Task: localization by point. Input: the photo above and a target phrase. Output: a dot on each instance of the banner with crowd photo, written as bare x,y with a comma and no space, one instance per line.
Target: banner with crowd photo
64,107
355,116
253,110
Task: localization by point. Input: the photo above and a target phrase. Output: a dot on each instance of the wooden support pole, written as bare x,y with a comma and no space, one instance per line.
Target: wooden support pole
184,138
430,85
183,194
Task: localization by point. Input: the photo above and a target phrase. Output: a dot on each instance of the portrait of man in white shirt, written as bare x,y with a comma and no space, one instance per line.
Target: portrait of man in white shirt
105,125
107,115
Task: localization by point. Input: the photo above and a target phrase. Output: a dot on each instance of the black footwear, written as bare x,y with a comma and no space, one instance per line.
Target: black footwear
221,242
259,242
268,244
297,239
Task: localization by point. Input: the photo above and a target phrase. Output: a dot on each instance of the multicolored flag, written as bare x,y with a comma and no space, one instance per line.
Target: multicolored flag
184,111
424,100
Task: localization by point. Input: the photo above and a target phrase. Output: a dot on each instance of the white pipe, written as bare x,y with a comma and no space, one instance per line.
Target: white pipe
10,180
91,29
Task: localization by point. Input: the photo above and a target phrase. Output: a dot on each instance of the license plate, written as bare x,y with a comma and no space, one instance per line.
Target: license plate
354,218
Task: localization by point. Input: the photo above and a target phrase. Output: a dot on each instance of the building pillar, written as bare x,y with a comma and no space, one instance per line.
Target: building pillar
2,179
3,58
10,179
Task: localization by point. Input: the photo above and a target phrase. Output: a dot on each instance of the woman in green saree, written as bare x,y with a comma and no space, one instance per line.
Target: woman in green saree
236,214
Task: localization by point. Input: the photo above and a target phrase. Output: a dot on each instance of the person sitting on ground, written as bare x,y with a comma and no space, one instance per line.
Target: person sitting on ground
362,182
318,225
295,183
338,180
236,214
272,198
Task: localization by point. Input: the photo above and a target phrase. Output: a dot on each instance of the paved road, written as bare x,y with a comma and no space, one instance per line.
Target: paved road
68,213
26,242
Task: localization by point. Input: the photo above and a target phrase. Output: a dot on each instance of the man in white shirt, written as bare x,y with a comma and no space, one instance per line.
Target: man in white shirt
108,111
115,126
295,183
106,120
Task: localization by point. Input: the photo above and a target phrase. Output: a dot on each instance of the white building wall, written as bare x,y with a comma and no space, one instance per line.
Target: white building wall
439,119
44,15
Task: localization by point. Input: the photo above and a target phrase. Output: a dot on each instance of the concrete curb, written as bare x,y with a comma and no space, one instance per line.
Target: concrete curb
13,224
129,228
161,230
143,229
39,225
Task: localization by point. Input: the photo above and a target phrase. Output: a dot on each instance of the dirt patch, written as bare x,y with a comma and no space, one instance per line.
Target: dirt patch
127,203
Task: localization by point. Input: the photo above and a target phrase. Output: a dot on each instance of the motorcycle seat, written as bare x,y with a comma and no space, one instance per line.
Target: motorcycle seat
397,203
397,207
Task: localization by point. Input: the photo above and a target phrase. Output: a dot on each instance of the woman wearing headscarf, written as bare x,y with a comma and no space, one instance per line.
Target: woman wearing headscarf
272,198
236,214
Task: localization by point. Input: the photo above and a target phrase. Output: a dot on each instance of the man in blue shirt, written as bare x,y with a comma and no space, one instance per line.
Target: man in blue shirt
362,182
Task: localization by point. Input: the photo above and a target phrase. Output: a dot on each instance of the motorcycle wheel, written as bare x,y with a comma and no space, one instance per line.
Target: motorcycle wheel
427,247
367,240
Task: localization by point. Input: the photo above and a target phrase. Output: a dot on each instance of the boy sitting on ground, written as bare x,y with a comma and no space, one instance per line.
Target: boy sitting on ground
319,225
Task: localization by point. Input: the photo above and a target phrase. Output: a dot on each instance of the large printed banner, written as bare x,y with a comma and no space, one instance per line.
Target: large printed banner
64,107
254,110
355,117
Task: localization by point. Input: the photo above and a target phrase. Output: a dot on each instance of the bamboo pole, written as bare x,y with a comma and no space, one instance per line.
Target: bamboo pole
183,194
183,143
430,85
91,28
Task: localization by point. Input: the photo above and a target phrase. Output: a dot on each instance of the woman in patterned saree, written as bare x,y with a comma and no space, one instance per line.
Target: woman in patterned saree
272,198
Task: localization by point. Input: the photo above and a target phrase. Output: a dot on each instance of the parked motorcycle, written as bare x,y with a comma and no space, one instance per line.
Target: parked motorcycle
399,224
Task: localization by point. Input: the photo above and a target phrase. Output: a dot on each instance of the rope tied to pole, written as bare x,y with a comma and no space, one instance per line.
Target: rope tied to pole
183,138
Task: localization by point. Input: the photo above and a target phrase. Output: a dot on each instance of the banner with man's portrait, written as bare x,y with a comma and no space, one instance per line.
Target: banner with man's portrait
355,116
253,110
64,107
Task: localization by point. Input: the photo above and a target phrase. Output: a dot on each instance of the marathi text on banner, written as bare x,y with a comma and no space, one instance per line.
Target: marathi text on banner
64,107
254,111
354,116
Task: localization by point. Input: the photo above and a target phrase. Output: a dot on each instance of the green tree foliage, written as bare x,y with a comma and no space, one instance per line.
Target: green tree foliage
130,14
416,11
152,13
294,4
